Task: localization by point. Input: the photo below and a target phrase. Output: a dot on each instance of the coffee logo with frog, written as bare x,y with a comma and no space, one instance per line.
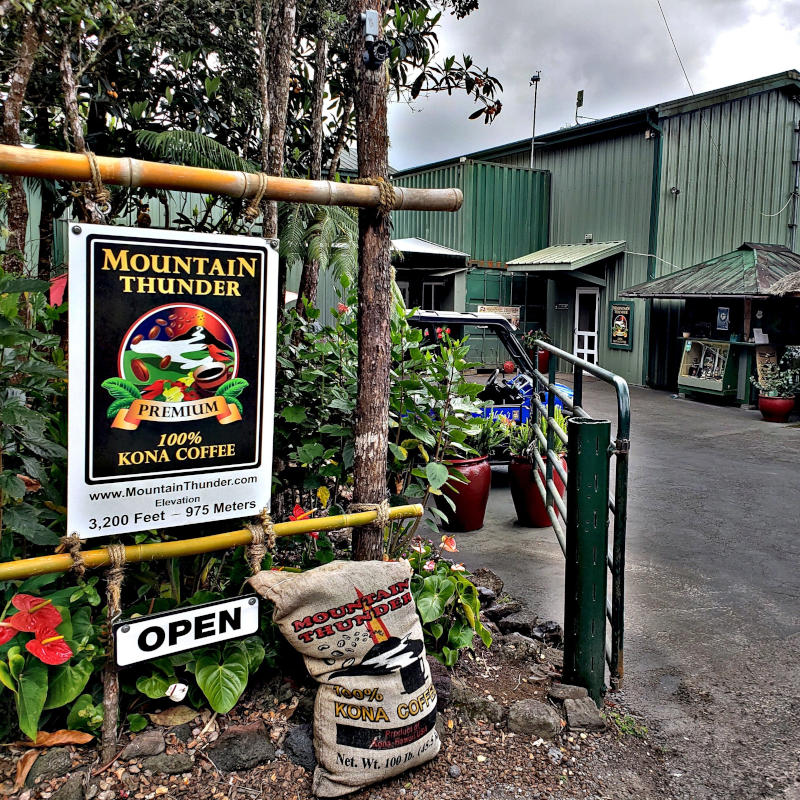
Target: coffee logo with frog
176,363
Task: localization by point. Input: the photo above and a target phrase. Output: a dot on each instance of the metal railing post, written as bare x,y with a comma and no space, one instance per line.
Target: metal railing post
587,545
551,410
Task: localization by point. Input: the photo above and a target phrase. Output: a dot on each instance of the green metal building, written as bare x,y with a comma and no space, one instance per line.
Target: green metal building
644,193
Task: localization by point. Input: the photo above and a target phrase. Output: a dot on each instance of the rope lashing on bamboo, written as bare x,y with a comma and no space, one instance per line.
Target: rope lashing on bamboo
72,545
381,509
114,577
388,199
263,541
254,209
98,193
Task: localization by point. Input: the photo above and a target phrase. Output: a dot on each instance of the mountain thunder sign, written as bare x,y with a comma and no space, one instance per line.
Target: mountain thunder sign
171,378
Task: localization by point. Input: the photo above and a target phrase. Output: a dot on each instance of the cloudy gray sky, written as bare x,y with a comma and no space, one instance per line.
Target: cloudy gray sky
617,51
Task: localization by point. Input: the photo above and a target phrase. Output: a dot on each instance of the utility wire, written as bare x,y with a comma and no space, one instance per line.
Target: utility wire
720,157
674,46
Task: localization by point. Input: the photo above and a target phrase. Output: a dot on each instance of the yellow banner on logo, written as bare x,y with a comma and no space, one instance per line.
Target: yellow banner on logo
128,419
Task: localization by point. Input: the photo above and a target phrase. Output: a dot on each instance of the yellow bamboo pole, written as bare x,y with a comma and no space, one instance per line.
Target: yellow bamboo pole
27,567
56,165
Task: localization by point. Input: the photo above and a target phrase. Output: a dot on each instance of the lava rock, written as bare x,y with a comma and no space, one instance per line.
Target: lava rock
299,747
148,743
242,747
53,763
564,691
502,610
168,763
583,714
454,771
520,648
476,705
71,790
522,622
486,596
440,677
488,580
182,732
534,718
548,632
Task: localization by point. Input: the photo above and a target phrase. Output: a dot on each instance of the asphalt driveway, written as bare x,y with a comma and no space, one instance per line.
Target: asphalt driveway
712,588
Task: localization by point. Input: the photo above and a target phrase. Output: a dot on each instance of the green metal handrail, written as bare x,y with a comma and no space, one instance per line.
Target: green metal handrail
618,504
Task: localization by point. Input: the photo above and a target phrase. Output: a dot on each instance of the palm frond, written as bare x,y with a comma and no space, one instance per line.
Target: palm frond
293,222
192,149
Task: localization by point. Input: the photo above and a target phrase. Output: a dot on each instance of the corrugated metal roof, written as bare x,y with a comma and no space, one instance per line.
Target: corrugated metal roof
348,163
750,271
424,247
561,257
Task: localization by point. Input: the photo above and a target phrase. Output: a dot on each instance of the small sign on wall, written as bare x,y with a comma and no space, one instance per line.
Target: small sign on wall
620,325
511,313
723,318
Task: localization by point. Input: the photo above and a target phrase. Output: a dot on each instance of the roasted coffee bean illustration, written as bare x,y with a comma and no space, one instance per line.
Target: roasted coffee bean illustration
139,369
136,339
154,331
160,321
169,332
164,363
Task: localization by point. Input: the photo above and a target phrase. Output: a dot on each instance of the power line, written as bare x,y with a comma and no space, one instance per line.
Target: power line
674,46
703,120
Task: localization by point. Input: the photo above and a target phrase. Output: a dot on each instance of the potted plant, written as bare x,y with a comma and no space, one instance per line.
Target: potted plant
469,491
542,357
524,444
776,390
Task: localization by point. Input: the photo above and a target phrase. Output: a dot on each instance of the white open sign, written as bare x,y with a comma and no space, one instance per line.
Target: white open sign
146,638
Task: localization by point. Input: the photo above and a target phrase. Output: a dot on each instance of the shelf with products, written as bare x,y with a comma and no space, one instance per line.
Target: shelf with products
708,366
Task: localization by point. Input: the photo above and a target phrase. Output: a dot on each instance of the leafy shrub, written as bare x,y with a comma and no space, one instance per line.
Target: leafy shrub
447,601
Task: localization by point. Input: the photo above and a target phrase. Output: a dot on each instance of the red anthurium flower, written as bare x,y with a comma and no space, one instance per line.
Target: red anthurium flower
429,565
457,567
298,514
49,647
34,613
342,308
7,632
449,544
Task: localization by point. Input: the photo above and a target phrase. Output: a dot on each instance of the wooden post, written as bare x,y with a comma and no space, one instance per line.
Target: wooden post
748,316
374,292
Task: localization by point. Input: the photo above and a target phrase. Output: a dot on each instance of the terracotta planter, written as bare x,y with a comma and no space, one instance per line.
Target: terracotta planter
470,498
775,409
542,360
528,503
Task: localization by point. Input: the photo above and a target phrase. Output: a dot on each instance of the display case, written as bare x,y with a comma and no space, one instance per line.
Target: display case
708,366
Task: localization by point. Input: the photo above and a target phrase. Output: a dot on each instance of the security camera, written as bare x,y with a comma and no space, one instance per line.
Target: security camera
376,51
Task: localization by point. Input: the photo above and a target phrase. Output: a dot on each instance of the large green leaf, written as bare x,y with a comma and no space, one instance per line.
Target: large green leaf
22,519
67,682
294,414
85,715
433,597
32,693
222,677
153,686
436,474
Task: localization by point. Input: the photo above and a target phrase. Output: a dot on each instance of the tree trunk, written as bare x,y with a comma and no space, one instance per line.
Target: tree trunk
309,279
48,199
17,204
263,83
74,121
281,39
341,135
374,296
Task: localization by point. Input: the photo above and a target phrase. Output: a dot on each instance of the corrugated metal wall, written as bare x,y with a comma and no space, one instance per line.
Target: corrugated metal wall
505,212
443,228
602,187
733,166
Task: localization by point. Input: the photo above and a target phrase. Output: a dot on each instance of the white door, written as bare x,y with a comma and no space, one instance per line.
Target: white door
587,320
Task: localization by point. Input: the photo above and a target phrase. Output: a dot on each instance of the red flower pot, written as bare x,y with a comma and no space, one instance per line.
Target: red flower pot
775,409
542,360
470,498
531,509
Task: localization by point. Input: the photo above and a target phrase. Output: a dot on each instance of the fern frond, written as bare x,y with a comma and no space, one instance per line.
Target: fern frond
192,149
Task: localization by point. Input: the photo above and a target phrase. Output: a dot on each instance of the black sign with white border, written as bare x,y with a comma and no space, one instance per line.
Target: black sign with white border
146,638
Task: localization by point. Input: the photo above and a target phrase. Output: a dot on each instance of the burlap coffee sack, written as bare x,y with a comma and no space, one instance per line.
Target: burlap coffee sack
356,626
